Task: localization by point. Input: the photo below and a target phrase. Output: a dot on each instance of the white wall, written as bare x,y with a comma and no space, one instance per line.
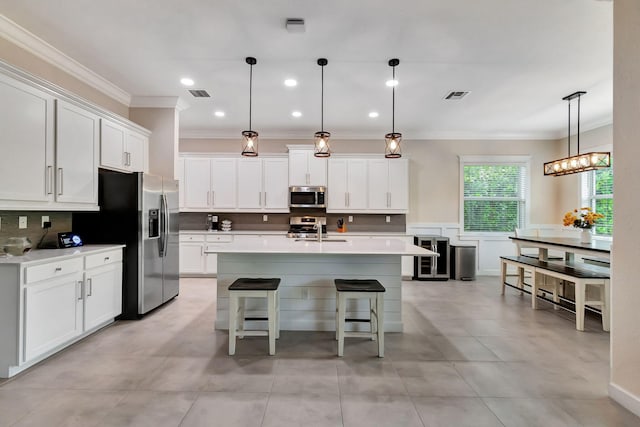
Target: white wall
625,290
163,143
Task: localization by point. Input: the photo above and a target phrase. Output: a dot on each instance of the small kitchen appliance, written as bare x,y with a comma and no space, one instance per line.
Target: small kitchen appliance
307,197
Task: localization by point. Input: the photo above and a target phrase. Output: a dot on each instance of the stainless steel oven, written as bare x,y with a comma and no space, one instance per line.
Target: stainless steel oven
307,197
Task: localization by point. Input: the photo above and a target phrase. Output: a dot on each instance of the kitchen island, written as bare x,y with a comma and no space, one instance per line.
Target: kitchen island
307,270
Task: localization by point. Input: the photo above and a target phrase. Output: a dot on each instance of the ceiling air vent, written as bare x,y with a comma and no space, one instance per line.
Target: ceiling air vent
199,93
455,95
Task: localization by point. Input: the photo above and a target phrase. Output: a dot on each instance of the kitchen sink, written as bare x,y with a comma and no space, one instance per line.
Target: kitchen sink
323,240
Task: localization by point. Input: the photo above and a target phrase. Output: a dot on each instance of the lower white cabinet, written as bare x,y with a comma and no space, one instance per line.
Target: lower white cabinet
49,303
195,258
53,313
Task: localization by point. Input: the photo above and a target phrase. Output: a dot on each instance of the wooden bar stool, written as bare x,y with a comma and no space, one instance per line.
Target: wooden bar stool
253,288
357,289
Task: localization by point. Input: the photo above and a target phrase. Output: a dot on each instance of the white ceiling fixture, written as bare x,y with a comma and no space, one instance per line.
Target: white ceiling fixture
186,81
392,83
291,82
373,114
219,113
295,25
296,114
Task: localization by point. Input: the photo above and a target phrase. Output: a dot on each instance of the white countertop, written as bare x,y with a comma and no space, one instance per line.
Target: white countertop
333,234
39,255
350,247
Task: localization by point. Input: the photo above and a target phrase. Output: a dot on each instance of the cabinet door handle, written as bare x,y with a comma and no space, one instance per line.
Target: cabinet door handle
308,179
49,179
124,158
90,287
58,268
79,290
202,250
259,198
60,178
213,198
388,199
128,158
265,199
349,199
346,203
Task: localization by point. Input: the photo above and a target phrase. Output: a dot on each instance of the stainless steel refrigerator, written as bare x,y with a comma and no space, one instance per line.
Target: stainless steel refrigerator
140,211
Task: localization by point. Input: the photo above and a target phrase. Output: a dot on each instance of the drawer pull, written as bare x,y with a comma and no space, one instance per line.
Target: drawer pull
58,268
106,258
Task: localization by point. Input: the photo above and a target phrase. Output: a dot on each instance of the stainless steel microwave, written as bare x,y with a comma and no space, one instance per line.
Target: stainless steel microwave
307,197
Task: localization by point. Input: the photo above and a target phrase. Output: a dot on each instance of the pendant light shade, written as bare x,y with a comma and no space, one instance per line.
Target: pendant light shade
393,149
579,162
321,145
250,137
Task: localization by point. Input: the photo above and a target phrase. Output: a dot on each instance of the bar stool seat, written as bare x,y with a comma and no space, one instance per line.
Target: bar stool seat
244,288
360,289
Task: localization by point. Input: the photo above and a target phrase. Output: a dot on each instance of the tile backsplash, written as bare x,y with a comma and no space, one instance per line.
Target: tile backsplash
280,221
60,222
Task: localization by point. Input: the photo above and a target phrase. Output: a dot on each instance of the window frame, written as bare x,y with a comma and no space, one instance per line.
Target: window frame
588,196
522,161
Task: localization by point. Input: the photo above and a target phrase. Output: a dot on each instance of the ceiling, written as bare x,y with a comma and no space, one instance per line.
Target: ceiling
518,58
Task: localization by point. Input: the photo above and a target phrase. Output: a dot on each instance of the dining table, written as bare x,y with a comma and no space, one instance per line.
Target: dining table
570,246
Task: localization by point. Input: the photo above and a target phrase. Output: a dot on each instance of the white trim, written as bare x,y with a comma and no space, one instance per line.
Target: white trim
28,41
158,102
197,154
488,159
625,398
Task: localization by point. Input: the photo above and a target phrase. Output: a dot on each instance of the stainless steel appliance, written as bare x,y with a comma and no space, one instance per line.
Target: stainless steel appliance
301,227
141,211
307,197
432,268
463,262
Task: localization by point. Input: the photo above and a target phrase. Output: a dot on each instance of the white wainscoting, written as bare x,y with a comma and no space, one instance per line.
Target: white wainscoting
489,246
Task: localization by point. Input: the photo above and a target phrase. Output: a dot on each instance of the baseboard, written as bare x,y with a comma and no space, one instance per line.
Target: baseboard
625,398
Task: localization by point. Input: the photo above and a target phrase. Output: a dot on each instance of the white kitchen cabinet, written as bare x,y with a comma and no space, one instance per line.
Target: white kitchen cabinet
210,183
263,185
76,170
26,123
180,178
388,185
191,257
53,313
347,186
102,288
122,148
305,169
54,298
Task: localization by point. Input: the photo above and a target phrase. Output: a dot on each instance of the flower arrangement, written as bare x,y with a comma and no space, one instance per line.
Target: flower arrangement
582,218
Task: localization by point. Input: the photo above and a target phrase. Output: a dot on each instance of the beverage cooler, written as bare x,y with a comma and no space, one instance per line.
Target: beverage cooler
432,268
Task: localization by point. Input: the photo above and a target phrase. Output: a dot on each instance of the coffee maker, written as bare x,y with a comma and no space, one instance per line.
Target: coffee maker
212,222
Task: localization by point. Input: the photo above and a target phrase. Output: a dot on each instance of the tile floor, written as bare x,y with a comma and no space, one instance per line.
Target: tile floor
468,357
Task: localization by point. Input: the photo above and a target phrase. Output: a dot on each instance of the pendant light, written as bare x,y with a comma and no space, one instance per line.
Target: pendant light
579,162
250,137
393,139
321,146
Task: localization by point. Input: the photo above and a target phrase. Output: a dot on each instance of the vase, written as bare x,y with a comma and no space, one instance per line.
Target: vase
585,236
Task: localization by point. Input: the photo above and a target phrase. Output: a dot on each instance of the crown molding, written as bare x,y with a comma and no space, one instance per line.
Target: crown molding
159,102
28,41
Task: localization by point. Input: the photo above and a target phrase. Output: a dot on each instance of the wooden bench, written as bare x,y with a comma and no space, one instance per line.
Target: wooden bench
580,275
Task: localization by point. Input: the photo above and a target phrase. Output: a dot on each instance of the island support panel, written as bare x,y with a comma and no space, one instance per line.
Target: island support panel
307,291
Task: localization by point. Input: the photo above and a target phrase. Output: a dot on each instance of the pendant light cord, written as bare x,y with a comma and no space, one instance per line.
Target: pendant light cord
322,98
569,131
578,153
250,85
393,102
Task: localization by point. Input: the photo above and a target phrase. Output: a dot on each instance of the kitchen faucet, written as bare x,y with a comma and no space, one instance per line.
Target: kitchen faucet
318,228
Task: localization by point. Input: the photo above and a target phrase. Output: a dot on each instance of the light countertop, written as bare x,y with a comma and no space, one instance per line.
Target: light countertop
333,234
40,255
350,247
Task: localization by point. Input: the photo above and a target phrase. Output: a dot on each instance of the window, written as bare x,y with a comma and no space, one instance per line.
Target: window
597,192
495,193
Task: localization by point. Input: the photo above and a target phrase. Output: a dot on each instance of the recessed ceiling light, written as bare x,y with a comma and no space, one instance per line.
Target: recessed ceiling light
291,82
219,113
392,83
296,114
373,114
187,81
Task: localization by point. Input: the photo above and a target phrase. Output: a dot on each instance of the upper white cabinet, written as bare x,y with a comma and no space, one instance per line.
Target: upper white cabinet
262,185
209,183
26,123
347,185
388,185
122,148
306,169
56,143
76,171
180,178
